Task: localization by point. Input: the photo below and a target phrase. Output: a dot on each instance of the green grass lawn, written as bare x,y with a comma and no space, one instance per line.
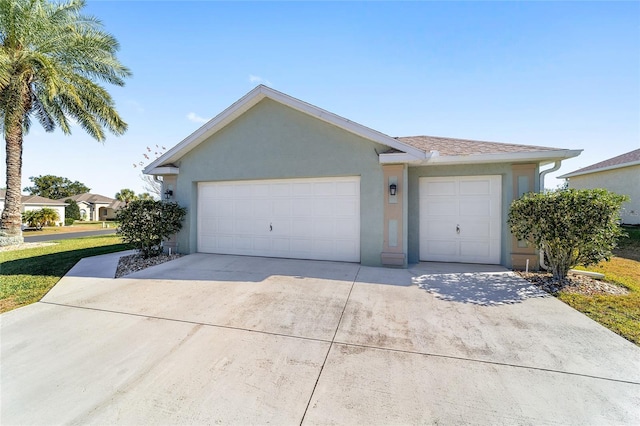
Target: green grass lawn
620,314
27,275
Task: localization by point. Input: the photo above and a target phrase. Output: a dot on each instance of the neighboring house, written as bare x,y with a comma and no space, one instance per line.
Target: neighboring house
96,207
274,176
36,202
619,174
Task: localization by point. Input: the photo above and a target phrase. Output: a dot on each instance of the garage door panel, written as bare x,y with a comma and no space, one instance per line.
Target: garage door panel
440,248
440,229
323,189
442,207
323,228
322,207
277,190
441,187
282,208
348,189
471,204
475,187
344,229
302,207
302,189
475,207
300,218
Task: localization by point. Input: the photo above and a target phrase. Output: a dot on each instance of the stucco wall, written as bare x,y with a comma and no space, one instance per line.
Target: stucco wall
415,173
625,181
58,209
271,141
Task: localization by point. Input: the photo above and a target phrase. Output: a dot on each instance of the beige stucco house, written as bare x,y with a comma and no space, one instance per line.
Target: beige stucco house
619,174
96,207
35,202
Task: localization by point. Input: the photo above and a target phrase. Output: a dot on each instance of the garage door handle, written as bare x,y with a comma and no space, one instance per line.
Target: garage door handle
270,227
457,229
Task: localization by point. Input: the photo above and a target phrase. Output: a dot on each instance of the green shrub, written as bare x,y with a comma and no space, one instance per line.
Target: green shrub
68,221
573,227
144,224
39,218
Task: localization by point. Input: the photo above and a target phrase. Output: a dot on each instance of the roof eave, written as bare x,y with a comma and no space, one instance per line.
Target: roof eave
541,157
162,170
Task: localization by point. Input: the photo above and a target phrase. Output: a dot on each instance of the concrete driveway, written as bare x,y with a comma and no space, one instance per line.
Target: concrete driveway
210,339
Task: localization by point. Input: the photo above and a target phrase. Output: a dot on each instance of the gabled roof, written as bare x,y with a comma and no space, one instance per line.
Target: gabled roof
34,199
91,198
259,93
414,150
631,158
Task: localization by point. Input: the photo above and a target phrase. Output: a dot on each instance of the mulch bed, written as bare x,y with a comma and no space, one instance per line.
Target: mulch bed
135,262
574,283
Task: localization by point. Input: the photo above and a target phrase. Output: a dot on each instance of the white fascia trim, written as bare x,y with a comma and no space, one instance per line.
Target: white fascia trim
162,171
602,169
400,157
542,157
255,96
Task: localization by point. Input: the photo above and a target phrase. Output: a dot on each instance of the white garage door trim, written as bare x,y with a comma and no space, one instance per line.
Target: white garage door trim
460,219
311,218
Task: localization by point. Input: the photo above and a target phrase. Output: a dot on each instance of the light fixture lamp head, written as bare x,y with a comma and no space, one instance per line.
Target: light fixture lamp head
168,194
393,189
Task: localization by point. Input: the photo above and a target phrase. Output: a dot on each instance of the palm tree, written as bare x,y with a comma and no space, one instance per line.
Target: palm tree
52,59
126,195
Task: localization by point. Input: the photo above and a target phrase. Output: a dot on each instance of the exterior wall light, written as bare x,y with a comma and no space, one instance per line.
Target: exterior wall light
168,194
393,188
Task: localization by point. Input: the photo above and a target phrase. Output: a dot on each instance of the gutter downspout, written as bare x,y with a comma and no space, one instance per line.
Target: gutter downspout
544,173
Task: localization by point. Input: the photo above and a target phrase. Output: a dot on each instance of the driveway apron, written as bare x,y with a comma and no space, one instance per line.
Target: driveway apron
241,340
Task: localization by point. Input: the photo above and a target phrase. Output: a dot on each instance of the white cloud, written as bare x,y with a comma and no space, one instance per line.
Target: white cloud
258,79
192,116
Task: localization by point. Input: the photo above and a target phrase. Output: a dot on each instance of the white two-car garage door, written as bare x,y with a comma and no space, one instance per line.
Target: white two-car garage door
460,219
316,218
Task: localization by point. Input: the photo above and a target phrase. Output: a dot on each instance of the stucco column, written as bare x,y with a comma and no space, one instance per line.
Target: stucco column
393,253
521,251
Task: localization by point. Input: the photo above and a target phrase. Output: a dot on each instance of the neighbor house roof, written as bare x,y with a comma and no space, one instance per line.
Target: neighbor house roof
34,199
631,158
91,198
412,150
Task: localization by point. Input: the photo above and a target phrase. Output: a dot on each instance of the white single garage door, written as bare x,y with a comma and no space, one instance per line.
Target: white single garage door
315,218
460,219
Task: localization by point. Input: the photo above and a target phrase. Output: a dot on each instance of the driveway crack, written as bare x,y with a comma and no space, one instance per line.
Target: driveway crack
333,339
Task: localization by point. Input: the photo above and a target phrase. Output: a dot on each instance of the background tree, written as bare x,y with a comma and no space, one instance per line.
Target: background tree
573,227
126,195
146,223
52,59
40,218
72,211
55,187
145,196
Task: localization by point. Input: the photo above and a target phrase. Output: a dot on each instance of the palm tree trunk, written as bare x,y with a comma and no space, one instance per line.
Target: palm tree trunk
10,226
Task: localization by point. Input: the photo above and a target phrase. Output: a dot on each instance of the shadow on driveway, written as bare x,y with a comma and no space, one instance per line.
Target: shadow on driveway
497,288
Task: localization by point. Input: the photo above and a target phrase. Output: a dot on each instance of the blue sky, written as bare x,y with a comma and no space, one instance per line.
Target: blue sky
560,74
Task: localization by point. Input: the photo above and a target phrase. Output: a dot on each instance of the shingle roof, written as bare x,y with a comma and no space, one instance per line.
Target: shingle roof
91,198
453,147
629,158
33,199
